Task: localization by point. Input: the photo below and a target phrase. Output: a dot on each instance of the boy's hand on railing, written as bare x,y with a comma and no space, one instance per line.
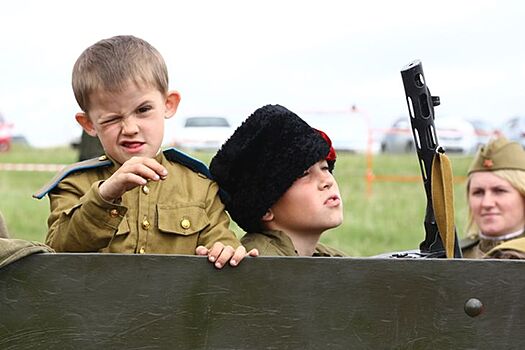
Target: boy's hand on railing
219,254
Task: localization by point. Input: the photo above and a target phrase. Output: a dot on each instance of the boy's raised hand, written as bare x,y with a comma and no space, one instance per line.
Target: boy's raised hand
136,171
219,254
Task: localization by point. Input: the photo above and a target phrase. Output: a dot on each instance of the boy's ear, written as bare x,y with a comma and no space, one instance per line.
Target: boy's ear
172,103
86,123
268,216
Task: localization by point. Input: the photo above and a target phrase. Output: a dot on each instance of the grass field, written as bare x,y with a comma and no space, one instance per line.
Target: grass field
387,216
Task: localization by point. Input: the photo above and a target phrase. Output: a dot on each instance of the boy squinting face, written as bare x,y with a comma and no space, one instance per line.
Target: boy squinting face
130,122
312,204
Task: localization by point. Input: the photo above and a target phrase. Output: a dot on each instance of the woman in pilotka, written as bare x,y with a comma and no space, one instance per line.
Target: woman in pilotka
496,199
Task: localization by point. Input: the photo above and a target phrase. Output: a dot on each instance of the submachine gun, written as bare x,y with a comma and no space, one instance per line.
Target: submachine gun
440,234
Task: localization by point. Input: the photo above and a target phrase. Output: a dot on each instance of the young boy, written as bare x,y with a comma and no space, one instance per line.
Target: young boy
276,171
135,198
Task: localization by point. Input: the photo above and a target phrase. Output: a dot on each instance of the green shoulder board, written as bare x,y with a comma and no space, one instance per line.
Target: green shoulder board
86,164
196,165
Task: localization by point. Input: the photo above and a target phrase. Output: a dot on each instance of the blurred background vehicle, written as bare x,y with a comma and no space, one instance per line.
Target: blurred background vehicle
454,135
348,129
514,129
5,134
484,131
88,146
399,138
199,133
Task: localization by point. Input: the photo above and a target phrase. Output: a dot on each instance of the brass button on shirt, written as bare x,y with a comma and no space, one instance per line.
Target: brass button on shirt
277,243
148,219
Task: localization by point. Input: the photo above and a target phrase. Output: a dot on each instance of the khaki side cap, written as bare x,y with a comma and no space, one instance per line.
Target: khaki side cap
499,154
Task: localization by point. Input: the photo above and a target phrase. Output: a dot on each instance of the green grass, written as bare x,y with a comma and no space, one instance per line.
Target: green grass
388,216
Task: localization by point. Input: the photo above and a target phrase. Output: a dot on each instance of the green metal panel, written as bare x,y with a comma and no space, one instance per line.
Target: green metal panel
108,301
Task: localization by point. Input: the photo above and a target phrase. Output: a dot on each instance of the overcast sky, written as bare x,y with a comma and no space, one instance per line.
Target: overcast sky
231,57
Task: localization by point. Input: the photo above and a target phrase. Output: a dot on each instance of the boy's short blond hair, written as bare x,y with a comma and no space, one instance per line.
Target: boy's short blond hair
112,63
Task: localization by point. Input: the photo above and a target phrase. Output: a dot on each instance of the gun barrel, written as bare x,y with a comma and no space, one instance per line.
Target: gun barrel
421,109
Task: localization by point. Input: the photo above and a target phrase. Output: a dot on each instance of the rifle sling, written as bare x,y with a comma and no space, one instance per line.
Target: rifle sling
443,200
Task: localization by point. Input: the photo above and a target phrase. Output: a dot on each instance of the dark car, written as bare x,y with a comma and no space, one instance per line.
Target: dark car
398,139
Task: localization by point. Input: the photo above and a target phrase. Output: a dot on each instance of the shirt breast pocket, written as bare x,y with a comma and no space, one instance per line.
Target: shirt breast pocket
182,220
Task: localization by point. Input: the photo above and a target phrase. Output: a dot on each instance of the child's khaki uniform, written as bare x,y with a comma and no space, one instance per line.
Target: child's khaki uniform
3,228
277,243
174,215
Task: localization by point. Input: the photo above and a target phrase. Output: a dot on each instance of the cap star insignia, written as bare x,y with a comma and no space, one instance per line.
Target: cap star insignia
488,163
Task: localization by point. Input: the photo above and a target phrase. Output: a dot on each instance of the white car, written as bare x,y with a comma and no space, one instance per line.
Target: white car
456,135
201,133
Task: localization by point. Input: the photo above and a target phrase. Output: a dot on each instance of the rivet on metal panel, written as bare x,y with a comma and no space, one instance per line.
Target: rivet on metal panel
473,307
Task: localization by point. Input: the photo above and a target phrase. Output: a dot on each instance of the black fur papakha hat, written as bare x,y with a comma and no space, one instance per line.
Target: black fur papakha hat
261,160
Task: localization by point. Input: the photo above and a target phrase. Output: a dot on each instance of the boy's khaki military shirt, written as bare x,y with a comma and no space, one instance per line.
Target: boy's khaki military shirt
277,243
171,216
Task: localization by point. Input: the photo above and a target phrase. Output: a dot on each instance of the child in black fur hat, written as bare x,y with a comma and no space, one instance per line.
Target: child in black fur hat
276,172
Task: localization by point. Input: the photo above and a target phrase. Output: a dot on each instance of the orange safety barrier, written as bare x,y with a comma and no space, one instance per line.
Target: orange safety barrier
407,178
370,177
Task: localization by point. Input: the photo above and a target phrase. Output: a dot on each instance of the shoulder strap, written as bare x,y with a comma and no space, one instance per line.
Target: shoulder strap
86,164
188,161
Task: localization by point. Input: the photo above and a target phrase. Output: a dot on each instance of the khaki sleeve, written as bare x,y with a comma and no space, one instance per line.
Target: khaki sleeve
3,228
81,222
219,228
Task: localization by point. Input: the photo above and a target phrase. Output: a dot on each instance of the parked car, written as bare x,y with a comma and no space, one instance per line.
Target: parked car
5,134
456,135
348,130
453,134
514,129
202,132
399,138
